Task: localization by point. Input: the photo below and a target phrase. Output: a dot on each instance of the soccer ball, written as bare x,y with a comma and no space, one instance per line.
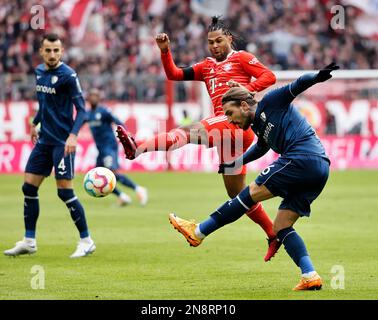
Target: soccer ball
99,182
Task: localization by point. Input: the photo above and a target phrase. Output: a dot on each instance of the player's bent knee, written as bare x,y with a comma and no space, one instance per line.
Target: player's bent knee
259,193
33,179
29,190
66,195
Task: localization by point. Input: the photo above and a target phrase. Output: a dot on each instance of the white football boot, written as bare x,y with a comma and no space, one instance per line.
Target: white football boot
123,200
142,195
84,247
22,247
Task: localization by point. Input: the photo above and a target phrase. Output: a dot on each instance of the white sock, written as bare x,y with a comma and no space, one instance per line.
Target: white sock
140,189
125,197
198,233
86,239
31,241
309,274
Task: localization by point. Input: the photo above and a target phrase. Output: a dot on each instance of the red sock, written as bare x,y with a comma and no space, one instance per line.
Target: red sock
258,215
171,140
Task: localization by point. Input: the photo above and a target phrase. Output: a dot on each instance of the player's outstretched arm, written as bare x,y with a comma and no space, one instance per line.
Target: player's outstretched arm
325,73
162,40
171,70
306,81
255,152
283,96
113,118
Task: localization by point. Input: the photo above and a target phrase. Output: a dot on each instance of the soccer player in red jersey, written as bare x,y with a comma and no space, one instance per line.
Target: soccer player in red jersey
224,69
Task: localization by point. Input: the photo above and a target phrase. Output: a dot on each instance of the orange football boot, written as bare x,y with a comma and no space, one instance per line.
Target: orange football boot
312,283
186,228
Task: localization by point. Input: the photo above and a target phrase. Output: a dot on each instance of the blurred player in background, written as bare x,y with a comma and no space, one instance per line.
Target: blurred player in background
186,119
58,89
298,175
100,120
224,69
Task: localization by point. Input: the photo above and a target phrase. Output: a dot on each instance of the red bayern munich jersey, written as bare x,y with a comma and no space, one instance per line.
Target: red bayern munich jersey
239,66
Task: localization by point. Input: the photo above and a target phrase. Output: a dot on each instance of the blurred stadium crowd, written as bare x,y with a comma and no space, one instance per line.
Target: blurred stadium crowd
118,53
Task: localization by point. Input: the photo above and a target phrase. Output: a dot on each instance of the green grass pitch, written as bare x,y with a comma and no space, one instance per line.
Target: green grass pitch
140,256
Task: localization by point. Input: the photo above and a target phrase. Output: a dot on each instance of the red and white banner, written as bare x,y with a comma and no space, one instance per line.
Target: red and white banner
210,7
348,152
366,23
352,144
77,13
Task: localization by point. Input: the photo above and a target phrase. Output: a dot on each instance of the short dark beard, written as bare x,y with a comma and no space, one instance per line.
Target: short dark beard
250,119
247,124
223,57
52,66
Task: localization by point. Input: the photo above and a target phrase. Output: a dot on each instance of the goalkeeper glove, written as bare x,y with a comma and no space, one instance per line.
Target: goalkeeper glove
325,73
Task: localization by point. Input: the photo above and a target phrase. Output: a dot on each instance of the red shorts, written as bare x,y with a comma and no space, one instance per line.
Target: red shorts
230,140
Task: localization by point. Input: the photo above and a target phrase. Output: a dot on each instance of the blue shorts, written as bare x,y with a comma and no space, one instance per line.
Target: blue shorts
44,157
108,158
298,181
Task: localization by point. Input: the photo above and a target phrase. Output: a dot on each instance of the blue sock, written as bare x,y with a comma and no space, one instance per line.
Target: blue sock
229,212
31,209
296,249
76,210
125,181
305,264
116,192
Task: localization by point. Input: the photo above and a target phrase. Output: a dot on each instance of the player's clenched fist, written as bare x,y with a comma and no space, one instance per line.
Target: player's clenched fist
162,41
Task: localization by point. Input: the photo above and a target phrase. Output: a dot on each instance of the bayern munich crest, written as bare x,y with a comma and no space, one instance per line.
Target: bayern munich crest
227,67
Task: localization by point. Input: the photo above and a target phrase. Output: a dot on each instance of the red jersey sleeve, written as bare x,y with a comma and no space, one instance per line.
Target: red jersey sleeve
198,70
175,73
171,70
252,66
